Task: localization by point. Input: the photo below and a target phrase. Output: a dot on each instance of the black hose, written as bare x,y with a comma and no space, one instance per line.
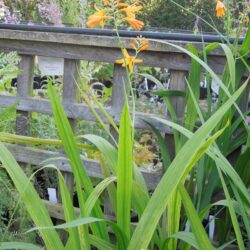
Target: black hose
123,33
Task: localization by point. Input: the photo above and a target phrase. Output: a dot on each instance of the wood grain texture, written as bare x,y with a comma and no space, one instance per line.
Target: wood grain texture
70,95
38,156
168,59
24,89
89,40
178,82
119,88
77,111
101,48
56,210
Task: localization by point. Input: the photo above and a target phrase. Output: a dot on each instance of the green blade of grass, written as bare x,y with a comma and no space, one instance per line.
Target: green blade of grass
94,196
121,238
231,64
232,213
69,214
19,245
195,223
100,244
186,237
11,138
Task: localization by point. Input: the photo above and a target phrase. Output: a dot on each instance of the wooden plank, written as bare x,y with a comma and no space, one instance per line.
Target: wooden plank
93,40
177,82
70,95
77,111
56,210
170,60
37,157
24,89
119,88
70,80
119,91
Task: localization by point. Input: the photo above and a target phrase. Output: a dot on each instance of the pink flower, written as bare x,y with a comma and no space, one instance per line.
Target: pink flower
6,16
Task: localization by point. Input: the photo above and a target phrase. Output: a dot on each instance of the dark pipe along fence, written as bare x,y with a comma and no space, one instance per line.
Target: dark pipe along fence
73,45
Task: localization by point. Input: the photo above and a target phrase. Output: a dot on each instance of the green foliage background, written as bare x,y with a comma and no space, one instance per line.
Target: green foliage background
163,13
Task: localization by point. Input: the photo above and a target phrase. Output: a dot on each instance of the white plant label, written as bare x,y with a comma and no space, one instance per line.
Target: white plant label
51,66
52,195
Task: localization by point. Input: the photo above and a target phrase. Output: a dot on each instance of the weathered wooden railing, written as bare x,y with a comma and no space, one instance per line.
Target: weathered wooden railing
73,48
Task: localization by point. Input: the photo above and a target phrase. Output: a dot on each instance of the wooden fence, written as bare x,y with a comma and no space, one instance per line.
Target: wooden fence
73,48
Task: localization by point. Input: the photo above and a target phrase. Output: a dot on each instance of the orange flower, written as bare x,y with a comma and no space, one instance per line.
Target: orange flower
220,9
128,61
98,18
136,24
139,44
130,10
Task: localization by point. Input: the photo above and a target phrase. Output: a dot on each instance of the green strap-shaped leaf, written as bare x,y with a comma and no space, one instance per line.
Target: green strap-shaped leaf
19,246
124,172
186,237
94,196
69,214
195,222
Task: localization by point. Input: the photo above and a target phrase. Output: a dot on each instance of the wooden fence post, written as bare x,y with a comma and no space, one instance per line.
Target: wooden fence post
69,97
119,91
177,82
24,89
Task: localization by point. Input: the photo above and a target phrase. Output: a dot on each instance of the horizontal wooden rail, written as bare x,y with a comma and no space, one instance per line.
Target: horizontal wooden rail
90,40
37,157
168,59
77,111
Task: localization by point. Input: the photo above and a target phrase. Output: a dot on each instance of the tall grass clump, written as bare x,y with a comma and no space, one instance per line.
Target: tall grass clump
204,141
